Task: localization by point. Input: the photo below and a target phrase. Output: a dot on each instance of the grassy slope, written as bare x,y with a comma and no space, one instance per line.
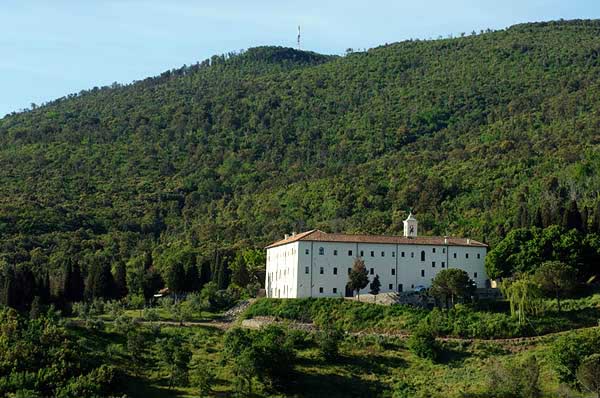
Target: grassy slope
464,321
367,367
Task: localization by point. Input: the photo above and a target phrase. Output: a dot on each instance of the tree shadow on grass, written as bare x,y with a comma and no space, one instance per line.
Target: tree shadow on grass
371,363
452,355
142,388
365,363
333,386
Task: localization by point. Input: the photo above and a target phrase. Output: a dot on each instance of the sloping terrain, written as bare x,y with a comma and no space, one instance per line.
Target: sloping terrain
470,132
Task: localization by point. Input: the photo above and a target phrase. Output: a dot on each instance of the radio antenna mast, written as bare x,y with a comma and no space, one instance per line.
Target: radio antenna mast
298,37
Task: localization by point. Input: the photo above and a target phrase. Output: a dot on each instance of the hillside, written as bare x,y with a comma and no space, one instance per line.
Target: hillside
474,133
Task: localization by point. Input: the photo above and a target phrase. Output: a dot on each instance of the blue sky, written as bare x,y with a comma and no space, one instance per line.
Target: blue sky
49,49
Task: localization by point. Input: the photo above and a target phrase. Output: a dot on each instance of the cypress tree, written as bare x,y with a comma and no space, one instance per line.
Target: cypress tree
221,276
192,278
176,278
522,216
595,224
537,219
584,219
100,283
572,217
73,284
547,216
120,277
8,295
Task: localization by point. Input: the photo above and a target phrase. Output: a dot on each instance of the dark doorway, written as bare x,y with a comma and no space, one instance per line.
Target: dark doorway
400,288
349,292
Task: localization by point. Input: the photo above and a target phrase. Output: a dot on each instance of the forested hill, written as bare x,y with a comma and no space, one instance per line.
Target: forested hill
477,134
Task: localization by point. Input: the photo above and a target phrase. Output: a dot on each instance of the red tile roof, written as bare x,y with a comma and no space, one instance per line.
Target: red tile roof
316,235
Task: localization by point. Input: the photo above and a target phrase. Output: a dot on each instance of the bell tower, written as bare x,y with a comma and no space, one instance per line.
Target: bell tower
410,226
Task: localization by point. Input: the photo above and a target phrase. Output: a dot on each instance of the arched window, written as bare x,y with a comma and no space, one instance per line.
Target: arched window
321,251
423,255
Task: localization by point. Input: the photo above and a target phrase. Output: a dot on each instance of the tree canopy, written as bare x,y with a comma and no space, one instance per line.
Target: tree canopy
478,134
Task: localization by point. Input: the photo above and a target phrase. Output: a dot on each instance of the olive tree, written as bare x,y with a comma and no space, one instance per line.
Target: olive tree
556,279
450,284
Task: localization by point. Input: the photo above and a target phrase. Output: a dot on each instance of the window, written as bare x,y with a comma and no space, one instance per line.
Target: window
372,253
335,252
433,250
400,287
349,270
402,254
334,290
350,253
321,271
443,264
412,254
393,254
444,250
422,255
478,255
433,264
454,255
320,290
372,271
306,271
412,286
466,255
334,271
382,254
475,274
362,253
321,251
393,271
306,251
423,273
390,286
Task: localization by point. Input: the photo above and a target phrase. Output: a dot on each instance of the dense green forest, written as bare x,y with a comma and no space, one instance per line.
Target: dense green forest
117,190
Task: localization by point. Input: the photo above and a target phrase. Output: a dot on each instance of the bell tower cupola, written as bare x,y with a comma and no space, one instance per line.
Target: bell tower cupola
410,226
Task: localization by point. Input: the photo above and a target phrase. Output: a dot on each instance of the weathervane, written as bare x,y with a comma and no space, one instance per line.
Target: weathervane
298,37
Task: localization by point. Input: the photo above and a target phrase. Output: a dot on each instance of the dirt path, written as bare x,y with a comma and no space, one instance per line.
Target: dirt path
226,322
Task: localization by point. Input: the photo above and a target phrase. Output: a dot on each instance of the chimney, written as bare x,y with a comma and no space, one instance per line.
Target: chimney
445,240
468,241
294,233
286,236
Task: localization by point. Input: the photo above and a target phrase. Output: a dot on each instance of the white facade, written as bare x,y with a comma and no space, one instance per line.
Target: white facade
316,264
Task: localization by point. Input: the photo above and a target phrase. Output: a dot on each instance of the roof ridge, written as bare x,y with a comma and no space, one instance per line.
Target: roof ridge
384,239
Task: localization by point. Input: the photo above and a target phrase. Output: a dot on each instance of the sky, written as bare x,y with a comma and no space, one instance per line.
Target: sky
49,49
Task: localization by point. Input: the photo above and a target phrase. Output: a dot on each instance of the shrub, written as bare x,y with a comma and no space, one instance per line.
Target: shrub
569,351
136,302
514,379
404,389
80,309
202,377
175,357
114,308
328,339
267,353
588,374
422,342
150,314
217,300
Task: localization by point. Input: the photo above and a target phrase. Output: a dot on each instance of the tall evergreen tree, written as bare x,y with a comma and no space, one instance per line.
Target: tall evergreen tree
572,217
537,219
359,277
120,277
73,283
100,282
176,280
